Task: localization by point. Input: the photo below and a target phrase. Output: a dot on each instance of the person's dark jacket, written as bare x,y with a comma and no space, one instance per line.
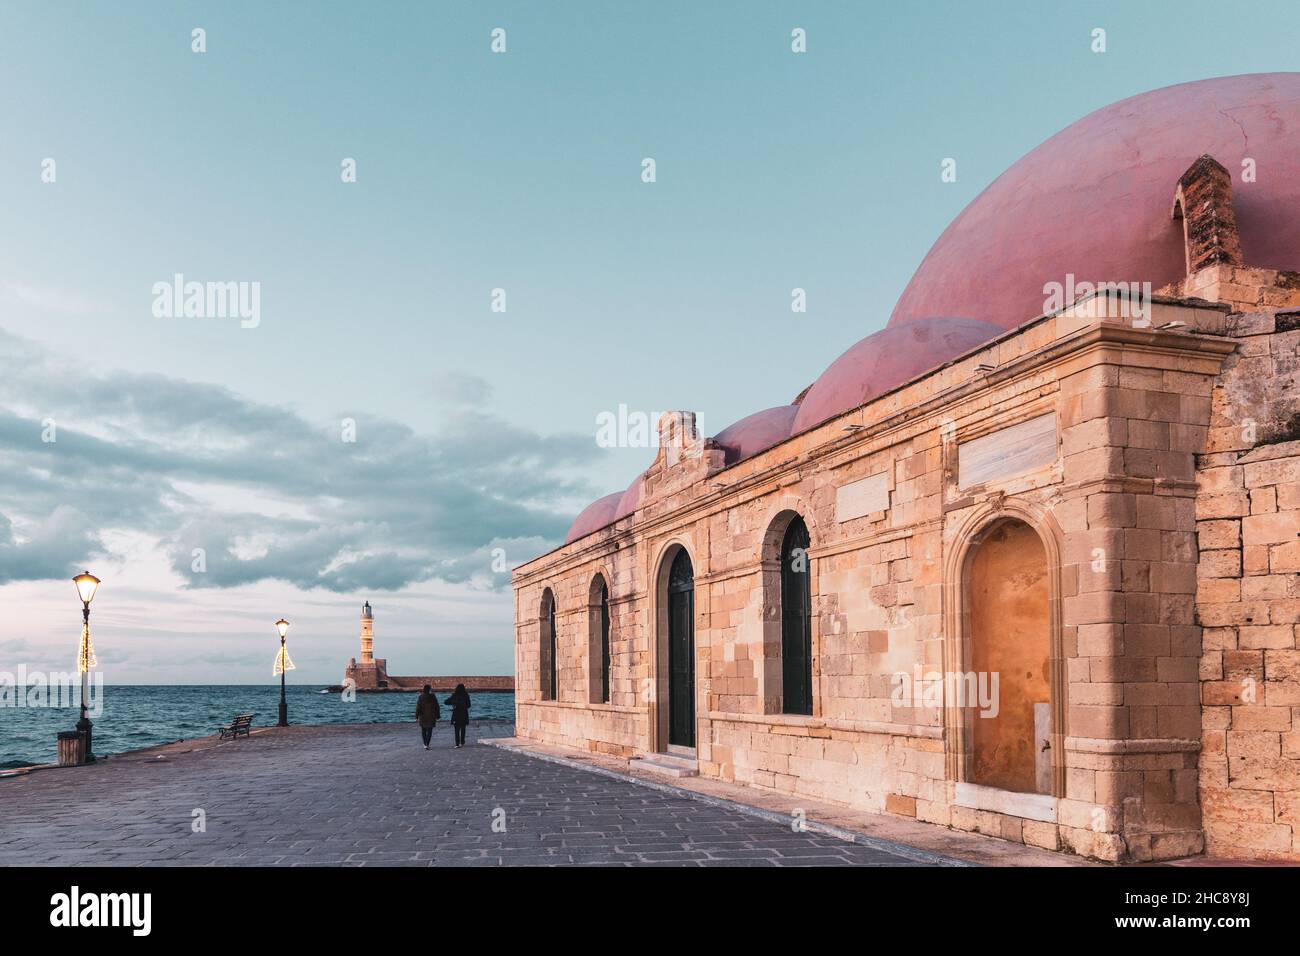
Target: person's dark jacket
459,704
427,710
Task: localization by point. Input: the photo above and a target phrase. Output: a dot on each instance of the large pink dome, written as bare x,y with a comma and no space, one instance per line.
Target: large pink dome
630,499
884,360
1095,200
594,517
756,432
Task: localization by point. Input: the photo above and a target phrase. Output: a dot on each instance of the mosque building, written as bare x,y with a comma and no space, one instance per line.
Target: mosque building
1024,562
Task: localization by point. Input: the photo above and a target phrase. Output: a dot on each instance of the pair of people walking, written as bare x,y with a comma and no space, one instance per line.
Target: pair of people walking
428,713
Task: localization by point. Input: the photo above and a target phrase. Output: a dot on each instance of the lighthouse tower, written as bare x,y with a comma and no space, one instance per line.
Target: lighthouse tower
367,634
369,673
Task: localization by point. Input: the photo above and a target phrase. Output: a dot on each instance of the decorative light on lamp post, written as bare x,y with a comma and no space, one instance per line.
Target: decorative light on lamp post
282,664
86,584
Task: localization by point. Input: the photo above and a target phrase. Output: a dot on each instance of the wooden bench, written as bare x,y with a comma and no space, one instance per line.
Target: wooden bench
240,725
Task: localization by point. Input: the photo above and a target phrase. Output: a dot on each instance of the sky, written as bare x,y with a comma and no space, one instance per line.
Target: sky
379,430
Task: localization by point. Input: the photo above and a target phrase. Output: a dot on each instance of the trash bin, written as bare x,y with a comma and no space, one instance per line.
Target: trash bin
72,748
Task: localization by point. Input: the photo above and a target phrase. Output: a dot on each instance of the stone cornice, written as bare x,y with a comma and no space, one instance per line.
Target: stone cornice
1124,484
793,723
1160,745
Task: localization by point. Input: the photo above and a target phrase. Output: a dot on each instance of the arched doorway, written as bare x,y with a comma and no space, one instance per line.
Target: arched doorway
1007,598
796,620
680,601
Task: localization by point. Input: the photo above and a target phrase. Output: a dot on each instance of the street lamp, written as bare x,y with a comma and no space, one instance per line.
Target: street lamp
282,664
86,584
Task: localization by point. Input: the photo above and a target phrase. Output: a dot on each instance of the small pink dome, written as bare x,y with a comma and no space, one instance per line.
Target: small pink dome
1095,201
756,432
886,359
631,498
594,517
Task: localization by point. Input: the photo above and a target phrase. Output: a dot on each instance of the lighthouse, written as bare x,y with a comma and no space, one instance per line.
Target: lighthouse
368,673
367,634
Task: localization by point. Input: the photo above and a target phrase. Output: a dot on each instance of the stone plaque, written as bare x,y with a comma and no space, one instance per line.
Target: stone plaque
1009,451
862,497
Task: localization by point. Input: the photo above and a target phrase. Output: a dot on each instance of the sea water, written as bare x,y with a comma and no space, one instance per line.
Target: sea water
138,715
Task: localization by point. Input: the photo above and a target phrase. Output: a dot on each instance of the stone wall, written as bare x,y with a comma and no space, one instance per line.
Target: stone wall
1248,595
476,683
374,676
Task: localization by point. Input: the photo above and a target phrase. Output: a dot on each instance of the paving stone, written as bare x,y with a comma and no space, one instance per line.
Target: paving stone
365,796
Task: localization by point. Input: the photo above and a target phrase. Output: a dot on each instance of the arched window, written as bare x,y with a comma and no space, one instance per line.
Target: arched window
598,640
796,620
549,648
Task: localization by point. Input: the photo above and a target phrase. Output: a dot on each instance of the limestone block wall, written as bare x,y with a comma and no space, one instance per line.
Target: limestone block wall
619,726
366,675
1130,435
1248,595
857,741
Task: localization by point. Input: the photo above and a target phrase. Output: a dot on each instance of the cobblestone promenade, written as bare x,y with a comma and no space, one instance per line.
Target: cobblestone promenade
371,795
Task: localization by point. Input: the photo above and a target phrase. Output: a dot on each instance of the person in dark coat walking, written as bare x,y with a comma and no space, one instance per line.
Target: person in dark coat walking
427,713
459,704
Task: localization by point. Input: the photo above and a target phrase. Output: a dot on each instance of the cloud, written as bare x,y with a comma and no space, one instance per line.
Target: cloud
461,388
237,491
51,545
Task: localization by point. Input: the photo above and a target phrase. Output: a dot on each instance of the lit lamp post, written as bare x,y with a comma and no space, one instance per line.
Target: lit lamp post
282,664
86,584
